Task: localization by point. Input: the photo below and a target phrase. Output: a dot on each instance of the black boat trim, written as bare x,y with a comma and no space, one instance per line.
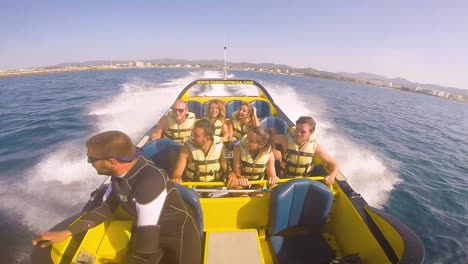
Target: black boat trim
413,248
359,203
72,248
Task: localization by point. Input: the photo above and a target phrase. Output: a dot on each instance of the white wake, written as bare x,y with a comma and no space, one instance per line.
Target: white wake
365,172
60,184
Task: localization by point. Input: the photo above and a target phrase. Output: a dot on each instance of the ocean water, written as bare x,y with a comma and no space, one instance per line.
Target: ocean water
406,153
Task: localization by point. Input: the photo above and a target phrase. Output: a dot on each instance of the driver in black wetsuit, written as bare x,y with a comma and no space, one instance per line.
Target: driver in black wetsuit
166,229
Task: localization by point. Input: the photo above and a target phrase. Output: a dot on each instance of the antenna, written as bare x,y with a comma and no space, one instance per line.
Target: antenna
225,67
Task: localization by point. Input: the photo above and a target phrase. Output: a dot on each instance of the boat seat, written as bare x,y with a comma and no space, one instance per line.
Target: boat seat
229,153
196,108
163,152
191,198
205,108
276,124
231,107
298,210
233,144
263,108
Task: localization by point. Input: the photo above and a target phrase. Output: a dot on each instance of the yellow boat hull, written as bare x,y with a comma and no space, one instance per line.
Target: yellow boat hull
351,227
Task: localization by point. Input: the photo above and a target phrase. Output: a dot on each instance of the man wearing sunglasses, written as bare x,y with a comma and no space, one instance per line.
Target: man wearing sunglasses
165,228
176,124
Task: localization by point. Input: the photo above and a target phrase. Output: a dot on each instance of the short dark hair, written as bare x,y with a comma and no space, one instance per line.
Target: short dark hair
207,126
308,121
112,144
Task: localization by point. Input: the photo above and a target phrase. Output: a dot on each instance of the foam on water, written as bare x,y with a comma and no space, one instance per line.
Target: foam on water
424,147
61,182
210,90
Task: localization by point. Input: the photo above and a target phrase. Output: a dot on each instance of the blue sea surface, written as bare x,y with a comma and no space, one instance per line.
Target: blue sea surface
406,153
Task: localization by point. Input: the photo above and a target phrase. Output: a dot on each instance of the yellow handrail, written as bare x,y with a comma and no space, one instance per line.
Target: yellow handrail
264,183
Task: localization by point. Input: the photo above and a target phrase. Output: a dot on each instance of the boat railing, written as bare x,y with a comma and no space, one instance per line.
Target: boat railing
263,183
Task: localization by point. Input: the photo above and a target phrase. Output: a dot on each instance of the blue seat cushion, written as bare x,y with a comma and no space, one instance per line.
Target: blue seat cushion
191,198
233,144
231,107
299,203
205,108
263,108
162,152
301,249
195,107
276,123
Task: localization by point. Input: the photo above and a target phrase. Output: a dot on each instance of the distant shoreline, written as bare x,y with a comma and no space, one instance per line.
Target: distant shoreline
459,98
58,70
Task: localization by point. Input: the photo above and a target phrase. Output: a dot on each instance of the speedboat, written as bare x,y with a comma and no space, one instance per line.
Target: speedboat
298,221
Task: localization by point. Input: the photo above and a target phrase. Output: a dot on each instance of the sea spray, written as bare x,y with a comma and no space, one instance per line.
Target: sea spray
61,182
364,170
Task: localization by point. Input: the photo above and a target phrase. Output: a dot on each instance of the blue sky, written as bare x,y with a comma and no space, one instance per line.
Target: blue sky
423,41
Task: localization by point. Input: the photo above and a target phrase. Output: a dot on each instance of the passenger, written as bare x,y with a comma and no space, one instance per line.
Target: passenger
251,158
217,115
165,228
176,124
298,150
202,157
242,121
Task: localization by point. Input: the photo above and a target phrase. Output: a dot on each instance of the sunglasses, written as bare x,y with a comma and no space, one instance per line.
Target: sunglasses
180,110
123,159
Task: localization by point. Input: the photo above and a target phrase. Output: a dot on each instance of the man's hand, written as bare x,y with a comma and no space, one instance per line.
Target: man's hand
272,180
235,180
329,180
232,180
49,238
177,180
242,181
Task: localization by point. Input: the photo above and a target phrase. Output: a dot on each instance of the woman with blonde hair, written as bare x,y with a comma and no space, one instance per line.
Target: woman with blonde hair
217,115
242,121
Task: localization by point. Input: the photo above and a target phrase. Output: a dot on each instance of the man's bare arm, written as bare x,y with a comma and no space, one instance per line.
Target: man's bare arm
180,164
235,178
329,162
230,127
222,160
271,172
162,126
225,132
48,238
279,140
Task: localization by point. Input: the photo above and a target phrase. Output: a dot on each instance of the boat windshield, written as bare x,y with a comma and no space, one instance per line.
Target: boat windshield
224,88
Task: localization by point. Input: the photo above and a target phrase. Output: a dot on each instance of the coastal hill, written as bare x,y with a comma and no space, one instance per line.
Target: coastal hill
361,77
344,76
402,81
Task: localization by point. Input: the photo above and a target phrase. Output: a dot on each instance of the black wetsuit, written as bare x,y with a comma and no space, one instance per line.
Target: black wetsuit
166,229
